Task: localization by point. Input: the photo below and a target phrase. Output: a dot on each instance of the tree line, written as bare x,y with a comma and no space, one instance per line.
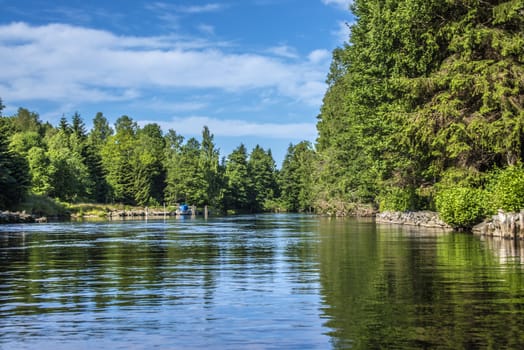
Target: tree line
136,165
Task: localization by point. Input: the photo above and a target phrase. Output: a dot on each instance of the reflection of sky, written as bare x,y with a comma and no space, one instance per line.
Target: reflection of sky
223,283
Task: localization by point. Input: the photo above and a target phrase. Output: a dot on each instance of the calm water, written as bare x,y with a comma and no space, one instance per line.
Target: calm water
257,282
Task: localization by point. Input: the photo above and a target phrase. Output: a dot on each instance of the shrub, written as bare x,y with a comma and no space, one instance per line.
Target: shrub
506,189
398,199
461,207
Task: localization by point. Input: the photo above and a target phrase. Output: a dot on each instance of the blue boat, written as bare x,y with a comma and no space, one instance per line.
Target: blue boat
184,210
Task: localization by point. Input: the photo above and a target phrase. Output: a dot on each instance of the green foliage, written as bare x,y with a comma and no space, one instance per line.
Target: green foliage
238,183
41,171
211,171
133,166
68,173
424,89
262,171
14,172
185,180
461,207
117,155
506,189
296,177
398,199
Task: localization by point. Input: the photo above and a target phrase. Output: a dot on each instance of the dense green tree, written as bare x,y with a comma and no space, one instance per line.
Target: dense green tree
185,179
296,177
40,170
422,88
237,180
64,126
25,121
262,172
209,165
117,157
149,175
172,154
96,139
78,127
100,132
193,170
22,142
69,175
14,172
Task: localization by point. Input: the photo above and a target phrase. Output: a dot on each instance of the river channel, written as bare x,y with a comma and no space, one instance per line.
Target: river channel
257,282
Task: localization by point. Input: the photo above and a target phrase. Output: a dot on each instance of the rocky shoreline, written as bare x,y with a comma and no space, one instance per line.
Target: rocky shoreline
18,217
412,218
503,225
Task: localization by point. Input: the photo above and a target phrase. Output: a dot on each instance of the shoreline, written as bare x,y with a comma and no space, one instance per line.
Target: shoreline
503,225
425,218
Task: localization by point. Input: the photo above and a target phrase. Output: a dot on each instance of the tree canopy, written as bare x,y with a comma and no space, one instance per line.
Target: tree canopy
422,90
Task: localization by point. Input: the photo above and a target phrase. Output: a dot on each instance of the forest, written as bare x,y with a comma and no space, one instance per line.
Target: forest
423,111
139,166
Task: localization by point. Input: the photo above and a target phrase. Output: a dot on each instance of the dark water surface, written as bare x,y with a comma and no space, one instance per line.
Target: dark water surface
257,282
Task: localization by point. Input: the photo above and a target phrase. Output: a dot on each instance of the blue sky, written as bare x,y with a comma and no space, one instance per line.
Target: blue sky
253,71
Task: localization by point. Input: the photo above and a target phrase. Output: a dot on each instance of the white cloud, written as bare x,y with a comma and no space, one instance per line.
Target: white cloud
318,56
194,9
283,51
213,7
60,63
343,4
238,128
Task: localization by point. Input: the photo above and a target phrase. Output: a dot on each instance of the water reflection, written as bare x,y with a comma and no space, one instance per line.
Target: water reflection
506,250
232,282
392,287
270,281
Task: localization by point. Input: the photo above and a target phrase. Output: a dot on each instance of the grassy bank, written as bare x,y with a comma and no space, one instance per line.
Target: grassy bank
42,206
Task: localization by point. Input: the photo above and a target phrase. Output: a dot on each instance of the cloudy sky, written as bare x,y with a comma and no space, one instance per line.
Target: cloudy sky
253,71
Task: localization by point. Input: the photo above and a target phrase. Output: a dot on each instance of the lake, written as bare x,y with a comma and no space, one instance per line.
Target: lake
257,282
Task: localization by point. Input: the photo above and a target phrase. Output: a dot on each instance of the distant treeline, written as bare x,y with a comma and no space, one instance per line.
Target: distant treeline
136,166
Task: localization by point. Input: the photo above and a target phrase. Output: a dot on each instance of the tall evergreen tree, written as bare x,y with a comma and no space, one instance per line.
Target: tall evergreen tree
172,154
149,175
185,179
117,155
238,182
296,177
14,172
262,172
209,165
96,139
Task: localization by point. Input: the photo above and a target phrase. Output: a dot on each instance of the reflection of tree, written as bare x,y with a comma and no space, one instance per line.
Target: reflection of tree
508,251
385,287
